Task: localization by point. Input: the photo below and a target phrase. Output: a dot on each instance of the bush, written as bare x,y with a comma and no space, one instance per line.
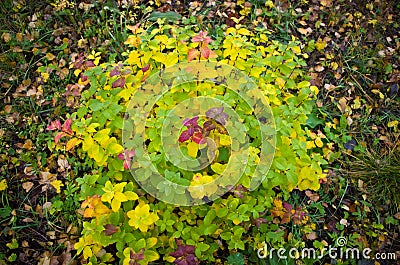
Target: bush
189,111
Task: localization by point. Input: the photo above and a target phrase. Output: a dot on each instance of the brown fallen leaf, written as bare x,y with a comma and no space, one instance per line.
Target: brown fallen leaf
313,196
27,220
319,68
27,186
326,3
304,31
397,215
6,37
28,144
311,236
342,104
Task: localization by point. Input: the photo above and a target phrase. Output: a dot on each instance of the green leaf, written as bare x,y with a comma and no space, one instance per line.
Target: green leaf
210,217
169,16
222,212
210,229
95,105
280,163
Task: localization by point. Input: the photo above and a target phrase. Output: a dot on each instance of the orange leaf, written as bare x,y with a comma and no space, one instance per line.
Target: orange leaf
72,143
192,54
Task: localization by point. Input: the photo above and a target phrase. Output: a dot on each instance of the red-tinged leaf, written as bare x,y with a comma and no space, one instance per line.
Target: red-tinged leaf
260,221
193,54
72,143
184,136
288,207
190,122
202,37
144,69
127,164
145,77
89,64
67,126
120,82
115,71
205,52
286,218
109,230
54,125
198,138
298,216
84,77
58,136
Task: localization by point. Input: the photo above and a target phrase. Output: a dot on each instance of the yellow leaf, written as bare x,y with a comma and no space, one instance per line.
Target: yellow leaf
310,144
141,217
3,185
197,188
114,148
57,184
77,72
171,59
319,142
97,153
132,196
87,252
392,124
320,44
376,91
296,49
280,82
334,65
159,57
236,221
224,139
192,149
169,259
92,126
50,56
102,135
314,89
218,168
134,59
244,31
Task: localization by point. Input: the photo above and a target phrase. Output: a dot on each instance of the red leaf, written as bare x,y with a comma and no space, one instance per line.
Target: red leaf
84,77
198,138
115,71
205,51
110,229
58,136
54,125
202,37
67,126
184,136
120,82
288,207
144,69
89,64
127,164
